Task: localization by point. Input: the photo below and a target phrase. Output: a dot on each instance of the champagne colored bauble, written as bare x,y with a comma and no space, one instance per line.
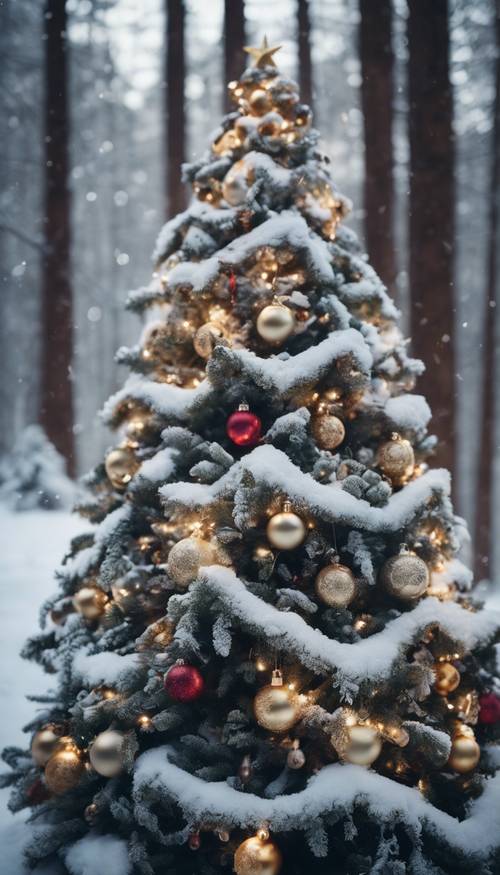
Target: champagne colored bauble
90,602
125,593
257,857
276,708
296,759
405,576
120,465
44,744
64,770
286,530
275,323
465,752
185,559
447,678
260,100
396,459
236,183
336,585
363,746
328,431
107,753
207,337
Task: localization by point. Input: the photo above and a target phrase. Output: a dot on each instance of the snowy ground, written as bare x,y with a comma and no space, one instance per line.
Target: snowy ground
31,546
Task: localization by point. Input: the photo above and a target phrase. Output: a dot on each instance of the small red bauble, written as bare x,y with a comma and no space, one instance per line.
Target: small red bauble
244,428
184,683
37,793
489,709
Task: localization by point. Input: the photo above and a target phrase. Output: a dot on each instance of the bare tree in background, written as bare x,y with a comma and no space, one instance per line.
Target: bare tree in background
235,59
56,391
175,113
432,213
304,46
484,497
377,98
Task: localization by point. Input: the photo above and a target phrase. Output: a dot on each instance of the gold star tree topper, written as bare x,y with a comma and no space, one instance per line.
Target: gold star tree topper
263,56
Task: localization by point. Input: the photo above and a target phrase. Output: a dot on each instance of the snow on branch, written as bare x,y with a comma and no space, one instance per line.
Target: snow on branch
369,659
107,668
335,787
274,470
87,559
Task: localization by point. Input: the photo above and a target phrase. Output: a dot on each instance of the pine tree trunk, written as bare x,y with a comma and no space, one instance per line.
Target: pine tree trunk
175,115
432,214
235,59
377,62
484,495
56,403
304,44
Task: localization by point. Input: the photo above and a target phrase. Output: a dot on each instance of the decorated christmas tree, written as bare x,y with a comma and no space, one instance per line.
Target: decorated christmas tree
266,654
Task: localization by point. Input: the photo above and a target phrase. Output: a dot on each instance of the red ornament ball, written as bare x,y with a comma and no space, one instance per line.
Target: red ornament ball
244,428
184,683
37,793
489,709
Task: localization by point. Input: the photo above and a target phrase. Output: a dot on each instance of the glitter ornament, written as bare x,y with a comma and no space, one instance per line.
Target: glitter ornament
275,323
64,769
120,466
286,530
336,585
328,431
244,427
185,559
184,683
447,678
107,753
396,459
405,576
257,856
489,709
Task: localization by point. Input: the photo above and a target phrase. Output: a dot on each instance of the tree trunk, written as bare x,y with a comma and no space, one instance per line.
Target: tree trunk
486,444
175,115
432,214
304,44
56,404
235,59
377,96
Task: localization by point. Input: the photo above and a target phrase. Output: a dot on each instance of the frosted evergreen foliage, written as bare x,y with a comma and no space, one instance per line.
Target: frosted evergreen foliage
33,475
181,564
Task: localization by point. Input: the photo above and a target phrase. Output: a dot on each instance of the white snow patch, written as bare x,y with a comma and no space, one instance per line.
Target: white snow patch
409,412
98,855
105,668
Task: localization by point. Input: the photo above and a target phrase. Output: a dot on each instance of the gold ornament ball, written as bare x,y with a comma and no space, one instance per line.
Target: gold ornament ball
295,759
364,745
275,323
44,744
405,576
328,431
396,459
260,100
64,770
276,708
465,753
121,465
257,857
336,585
210,335
286,530
107,753
447,678
236,183
185,559
90,602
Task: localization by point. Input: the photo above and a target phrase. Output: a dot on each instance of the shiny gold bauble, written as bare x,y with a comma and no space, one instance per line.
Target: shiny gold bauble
269,127
465,752
121,465
276,708
185,559
396,459
257,857
208,336
236,183
90,602
336,585
405,576
44,744
107,753
447,678
363,746
260,100
286,530
64,769
275,323
328,431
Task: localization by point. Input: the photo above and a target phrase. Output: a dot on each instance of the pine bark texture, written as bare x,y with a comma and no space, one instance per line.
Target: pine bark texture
56,404
377,96
432,214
